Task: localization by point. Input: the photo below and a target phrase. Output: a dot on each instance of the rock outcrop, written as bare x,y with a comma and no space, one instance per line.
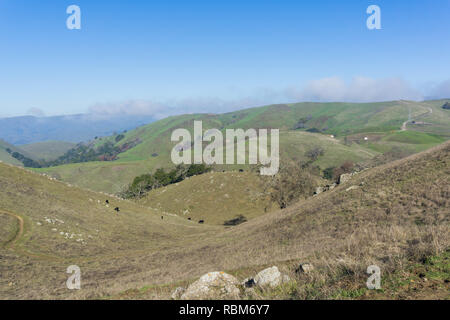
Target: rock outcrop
345,177
213,286
269,277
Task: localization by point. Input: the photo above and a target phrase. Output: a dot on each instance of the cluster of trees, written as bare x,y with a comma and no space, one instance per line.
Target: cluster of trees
27,162
299,180
294,181
84,153
314,153
333,173
147,182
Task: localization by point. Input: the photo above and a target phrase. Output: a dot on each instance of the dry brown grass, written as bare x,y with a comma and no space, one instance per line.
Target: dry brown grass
399,213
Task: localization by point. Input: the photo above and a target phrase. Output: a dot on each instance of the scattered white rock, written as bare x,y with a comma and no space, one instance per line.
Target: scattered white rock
344,178
213,285
269,277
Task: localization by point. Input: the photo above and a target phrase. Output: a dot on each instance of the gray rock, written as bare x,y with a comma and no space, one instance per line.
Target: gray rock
344,178
269,277
213,286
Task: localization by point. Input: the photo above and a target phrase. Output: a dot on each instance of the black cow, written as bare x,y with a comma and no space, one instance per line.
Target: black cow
107,201
201,222
117,209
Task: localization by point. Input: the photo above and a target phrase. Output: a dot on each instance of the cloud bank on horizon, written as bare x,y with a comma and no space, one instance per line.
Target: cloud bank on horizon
331,89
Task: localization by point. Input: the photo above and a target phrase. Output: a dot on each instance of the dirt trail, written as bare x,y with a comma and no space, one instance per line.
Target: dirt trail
430,111
20,232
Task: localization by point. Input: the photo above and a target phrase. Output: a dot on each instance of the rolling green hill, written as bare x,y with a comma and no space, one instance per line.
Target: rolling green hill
113,176
48,150
349,122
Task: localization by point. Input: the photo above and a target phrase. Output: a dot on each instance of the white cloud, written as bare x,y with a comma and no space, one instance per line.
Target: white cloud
359,89
161,110
36,112
130,107
441,90
333,89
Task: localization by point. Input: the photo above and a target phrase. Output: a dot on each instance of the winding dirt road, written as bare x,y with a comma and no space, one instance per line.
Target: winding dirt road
430,111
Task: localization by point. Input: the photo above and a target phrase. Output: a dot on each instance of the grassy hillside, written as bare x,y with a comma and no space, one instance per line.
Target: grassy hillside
214,197
64,225
382,121
391,216
114,176
48,150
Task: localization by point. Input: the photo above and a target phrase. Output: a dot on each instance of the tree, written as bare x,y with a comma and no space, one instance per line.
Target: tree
346,167
292,183
315,153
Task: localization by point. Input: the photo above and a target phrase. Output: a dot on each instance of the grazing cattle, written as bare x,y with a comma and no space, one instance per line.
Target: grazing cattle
241,170
201,222
162,218
107,201
189,219
117,209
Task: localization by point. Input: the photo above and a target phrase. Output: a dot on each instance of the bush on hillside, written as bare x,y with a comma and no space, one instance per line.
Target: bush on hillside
328,173
314,153
120,137
293,182
346,167
236,221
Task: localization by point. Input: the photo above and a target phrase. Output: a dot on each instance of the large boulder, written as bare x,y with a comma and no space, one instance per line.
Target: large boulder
270,277
344,178
213,286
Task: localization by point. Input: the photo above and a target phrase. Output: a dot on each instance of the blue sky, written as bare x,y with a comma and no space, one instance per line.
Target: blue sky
213,56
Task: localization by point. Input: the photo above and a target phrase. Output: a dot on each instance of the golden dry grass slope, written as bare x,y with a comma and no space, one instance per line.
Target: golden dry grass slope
387,216
214,197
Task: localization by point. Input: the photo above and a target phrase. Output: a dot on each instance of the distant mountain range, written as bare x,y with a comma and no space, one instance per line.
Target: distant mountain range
70,128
